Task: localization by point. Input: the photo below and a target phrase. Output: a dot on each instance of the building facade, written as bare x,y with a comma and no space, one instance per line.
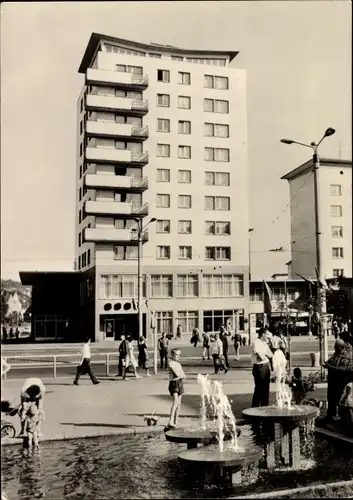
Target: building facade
162,137
334,213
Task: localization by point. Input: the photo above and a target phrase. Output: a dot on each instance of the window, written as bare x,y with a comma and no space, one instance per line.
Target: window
222,285
163,252
217,179
163,175
218,228
216,154
216,82
81,105
212,320
163,201
335,190
81,149
163,100
216,130
217,253
184,127
184,78
157,56
81,171
337,252
256,295
187,285
120,286
79,239
122,68
337,231
80,216
163,75
184,201
184,227
163,150
184,152
80,194
217,203
177,58
336,210
188,320
337,272
184,176
184,102
125,252
164,321
161,285
216,106
163,125
81,127
163,226
185,253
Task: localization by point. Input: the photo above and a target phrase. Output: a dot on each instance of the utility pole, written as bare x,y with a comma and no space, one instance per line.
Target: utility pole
139,278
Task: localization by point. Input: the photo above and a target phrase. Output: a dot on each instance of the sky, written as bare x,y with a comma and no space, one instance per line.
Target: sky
298,61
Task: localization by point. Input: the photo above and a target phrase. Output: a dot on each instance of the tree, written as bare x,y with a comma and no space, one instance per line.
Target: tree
4,307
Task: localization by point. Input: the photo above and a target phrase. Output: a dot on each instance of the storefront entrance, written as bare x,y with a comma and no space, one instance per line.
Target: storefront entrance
116,325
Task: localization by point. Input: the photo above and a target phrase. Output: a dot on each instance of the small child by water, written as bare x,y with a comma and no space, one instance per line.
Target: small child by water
176,387
33,418
346,399
298,386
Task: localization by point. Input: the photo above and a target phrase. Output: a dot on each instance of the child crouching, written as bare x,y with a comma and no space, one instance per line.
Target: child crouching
176,387
33,419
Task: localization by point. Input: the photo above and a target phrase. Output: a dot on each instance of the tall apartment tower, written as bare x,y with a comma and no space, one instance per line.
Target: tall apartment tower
335,218
162,134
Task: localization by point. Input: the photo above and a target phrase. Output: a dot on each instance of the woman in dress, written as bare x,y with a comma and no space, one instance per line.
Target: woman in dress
130,359
143,356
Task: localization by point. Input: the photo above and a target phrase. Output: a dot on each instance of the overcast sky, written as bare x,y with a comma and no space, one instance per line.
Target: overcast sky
298,61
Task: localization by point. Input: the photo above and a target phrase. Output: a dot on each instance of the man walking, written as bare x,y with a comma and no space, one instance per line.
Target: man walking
122,350
260,357
85,365
163,345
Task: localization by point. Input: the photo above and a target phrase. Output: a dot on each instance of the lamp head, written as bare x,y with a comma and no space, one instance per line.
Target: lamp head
329,131
287,141
153,219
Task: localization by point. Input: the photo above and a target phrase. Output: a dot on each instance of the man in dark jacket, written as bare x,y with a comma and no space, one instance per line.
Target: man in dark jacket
122,350
224,339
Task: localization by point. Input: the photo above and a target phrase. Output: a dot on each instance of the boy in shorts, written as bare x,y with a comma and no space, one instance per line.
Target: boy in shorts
176,387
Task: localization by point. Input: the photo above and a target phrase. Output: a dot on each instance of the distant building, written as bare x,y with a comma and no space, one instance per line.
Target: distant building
279,276
335,216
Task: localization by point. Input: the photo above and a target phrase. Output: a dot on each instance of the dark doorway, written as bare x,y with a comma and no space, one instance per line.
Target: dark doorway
116,325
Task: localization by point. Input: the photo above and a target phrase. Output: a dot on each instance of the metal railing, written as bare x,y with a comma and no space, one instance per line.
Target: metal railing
139,157
137,208
139,104
139,79
139,182
139,131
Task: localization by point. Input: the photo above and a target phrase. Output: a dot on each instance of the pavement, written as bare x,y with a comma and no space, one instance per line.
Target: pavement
118,407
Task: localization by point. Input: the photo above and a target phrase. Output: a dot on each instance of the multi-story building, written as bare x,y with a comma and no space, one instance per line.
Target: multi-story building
162,134
334,214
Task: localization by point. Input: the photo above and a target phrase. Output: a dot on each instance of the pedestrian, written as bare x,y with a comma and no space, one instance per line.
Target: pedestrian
178,332
217,354
32,392
85,366
335,329
11,333
33,418
4,333
299,391
340,373
17,333
206,345
176,387
122,352
195,337
224,339
260,357
163,345
143,361
237,339
130,359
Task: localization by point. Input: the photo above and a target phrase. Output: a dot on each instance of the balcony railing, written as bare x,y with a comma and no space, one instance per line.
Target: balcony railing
115,78
122,182
144,235
139,79
139,182
139,157
138,209
139,131
139,104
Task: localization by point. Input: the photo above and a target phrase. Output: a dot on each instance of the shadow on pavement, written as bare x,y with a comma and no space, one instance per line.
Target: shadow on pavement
93,424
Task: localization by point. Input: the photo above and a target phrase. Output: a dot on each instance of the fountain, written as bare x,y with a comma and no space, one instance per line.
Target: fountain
222,462
277,428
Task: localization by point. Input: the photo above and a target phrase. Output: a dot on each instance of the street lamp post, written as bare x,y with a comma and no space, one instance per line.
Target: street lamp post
319,240
140,229
250,231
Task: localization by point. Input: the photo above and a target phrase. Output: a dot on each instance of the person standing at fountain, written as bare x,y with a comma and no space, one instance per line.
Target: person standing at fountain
260,357
32,392
224,338
163,345
340,373
217,354
176,387
206,345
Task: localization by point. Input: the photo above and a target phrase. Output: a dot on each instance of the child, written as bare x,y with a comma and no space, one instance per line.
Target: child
298,386
33,417
346,399
176,387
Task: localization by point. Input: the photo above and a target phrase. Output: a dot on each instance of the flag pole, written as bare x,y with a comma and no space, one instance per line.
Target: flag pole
287,328
264,313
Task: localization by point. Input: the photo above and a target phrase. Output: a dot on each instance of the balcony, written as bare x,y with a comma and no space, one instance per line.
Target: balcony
124,209
123,105
112,155
116,79
112,129
111,235
120,182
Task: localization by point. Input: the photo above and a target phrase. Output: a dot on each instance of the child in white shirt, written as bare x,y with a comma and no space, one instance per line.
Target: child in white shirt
176,387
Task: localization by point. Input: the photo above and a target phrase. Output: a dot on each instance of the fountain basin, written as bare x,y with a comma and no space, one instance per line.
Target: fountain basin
277,430
221,467
191,437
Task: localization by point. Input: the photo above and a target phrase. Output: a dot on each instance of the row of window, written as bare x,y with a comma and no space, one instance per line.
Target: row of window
184,102
188,320
336,211
184,127
184,177
184,201
166,286
184,152
185,227
335,189
84,259
120,50
337,253
163,252
277,294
